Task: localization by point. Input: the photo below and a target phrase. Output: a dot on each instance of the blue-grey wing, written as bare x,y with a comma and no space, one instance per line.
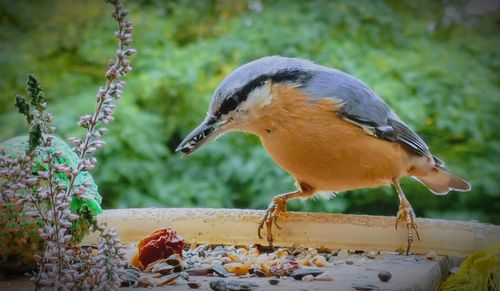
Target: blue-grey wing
364,108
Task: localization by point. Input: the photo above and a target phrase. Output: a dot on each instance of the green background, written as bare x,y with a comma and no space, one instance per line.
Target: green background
434,62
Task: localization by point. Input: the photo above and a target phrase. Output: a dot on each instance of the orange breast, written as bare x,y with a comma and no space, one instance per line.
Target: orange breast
308,140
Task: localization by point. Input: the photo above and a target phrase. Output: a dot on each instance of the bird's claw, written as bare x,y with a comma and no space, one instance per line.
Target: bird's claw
276,207
407,215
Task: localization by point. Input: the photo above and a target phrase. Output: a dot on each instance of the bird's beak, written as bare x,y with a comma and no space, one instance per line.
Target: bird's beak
202,134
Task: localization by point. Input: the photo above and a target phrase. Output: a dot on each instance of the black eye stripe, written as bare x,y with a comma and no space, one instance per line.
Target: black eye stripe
230,104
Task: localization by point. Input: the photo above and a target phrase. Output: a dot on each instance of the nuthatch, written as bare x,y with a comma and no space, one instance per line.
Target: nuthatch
326,128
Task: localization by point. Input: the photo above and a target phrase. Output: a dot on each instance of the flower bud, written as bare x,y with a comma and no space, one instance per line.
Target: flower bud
130,52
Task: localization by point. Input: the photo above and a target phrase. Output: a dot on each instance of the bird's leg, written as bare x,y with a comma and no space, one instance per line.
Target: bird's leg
275,208
406,214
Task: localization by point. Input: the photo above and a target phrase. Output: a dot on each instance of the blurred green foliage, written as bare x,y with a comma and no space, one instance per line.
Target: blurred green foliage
438,70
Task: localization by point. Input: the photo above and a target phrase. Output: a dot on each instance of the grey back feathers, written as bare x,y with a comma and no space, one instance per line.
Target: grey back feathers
361,105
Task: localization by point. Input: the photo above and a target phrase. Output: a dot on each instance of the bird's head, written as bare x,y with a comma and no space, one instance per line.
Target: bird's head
240,98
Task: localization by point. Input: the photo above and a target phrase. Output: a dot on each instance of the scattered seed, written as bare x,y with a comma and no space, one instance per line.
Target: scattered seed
307,278
242,251
265,268
131,277
254,252
365,287
319,261
260,273
194,285
323,277
284,268
384,276
237,268
372,254
193,245
219,270
234,258
185,276
260,248
282,253
173,260
162,268
342,253
400,251
165,280
151,265
274,281
299,253
301,273
218,285
198,271
312,252
179,268
240,285
349,262
245,287
200,248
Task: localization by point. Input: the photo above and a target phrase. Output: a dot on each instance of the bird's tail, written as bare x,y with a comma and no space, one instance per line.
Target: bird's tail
440,181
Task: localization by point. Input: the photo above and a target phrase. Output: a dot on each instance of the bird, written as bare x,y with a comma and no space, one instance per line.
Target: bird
324,127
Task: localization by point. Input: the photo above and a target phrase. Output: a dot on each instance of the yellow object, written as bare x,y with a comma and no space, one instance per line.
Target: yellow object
237,268
480,271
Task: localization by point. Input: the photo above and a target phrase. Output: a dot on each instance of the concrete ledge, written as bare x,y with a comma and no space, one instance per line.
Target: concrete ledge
320,230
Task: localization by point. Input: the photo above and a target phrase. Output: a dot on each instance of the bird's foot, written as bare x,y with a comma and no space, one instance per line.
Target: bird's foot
275,208
407,216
